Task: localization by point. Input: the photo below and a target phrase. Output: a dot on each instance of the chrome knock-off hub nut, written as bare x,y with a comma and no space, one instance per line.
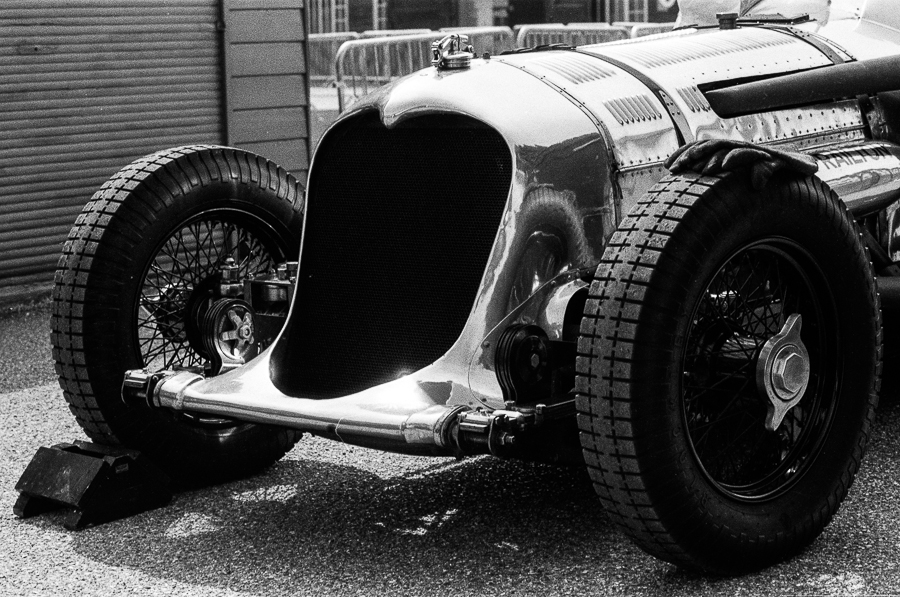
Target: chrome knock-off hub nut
782,372
790,373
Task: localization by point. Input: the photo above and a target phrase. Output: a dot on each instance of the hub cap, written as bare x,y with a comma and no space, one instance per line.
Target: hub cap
782,371
228,334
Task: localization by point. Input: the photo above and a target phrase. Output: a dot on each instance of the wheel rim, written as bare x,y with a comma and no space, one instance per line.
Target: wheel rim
747,302
182,273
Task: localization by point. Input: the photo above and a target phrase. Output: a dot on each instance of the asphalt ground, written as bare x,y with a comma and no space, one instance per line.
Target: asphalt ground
331,519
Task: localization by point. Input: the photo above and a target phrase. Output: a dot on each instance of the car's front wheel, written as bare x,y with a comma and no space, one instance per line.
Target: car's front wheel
728,369
134,290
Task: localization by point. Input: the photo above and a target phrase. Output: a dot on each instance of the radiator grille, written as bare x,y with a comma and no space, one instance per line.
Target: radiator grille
400,224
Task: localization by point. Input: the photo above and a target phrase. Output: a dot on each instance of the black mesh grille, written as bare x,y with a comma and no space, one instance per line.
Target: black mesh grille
400,225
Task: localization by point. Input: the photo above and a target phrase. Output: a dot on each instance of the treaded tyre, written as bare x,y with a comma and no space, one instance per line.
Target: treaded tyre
676,367
141,257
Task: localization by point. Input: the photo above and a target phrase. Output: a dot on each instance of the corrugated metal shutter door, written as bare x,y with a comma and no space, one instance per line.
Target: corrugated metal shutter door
86,87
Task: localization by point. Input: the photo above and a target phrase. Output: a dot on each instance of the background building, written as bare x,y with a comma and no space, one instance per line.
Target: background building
327,16
522,12
90,85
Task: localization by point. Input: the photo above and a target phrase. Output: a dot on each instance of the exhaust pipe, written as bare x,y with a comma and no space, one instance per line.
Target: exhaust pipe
406,415
847,80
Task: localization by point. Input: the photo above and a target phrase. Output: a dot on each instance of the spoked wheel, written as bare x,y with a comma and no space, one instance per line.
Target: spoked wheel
728,368
179,325
180,281
136,287
762,334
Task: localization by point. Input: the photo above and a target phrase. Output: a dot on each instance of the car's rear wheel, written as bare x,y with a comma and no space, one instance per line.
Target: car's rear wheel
728,369
133,290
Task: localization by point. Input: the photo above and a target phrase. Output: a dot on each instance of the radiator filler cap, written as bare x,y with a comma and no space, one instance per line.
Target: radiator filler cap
452,52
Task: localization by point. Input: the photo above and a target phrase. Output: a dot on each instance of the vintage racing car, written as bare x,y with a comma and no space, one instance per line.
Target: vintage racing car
664,259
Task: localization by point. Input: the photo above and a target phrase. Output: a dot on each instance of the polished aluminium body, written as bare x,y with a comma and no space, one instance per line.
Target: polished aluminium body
588,131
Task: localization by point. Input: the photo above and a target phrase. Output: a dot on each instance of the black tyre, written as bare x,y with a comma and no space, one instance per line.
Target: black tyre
676,369
139,261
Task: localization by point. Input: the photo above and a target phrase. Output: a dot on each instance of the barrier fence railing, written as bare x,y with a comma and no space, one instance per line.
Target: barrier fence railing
362,65
573,34
645,29
391,32
322,48
492,40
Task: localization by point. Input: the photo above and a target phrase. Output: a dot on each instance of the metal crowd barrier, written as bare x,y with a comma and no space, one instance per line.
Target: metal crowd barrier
644,29
322,49
370,33
575,34
492,40
362,65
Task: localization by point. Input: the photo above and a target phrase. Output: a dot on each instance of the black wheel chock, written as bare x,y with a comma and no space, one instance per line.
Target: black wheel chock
99,483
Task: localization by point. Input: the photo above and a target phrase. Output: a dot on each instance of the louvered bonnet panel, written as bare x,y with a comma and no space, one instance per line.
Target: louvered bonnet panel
88,86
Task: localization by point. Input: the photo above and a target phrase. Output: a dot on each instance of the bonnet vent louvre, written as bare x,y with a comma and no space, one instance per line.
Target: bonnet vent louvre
575,68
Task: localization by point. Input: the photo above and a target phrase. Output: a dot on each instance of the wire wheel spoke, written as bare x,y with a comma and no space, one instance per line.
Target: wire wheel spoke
180,280
744,305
